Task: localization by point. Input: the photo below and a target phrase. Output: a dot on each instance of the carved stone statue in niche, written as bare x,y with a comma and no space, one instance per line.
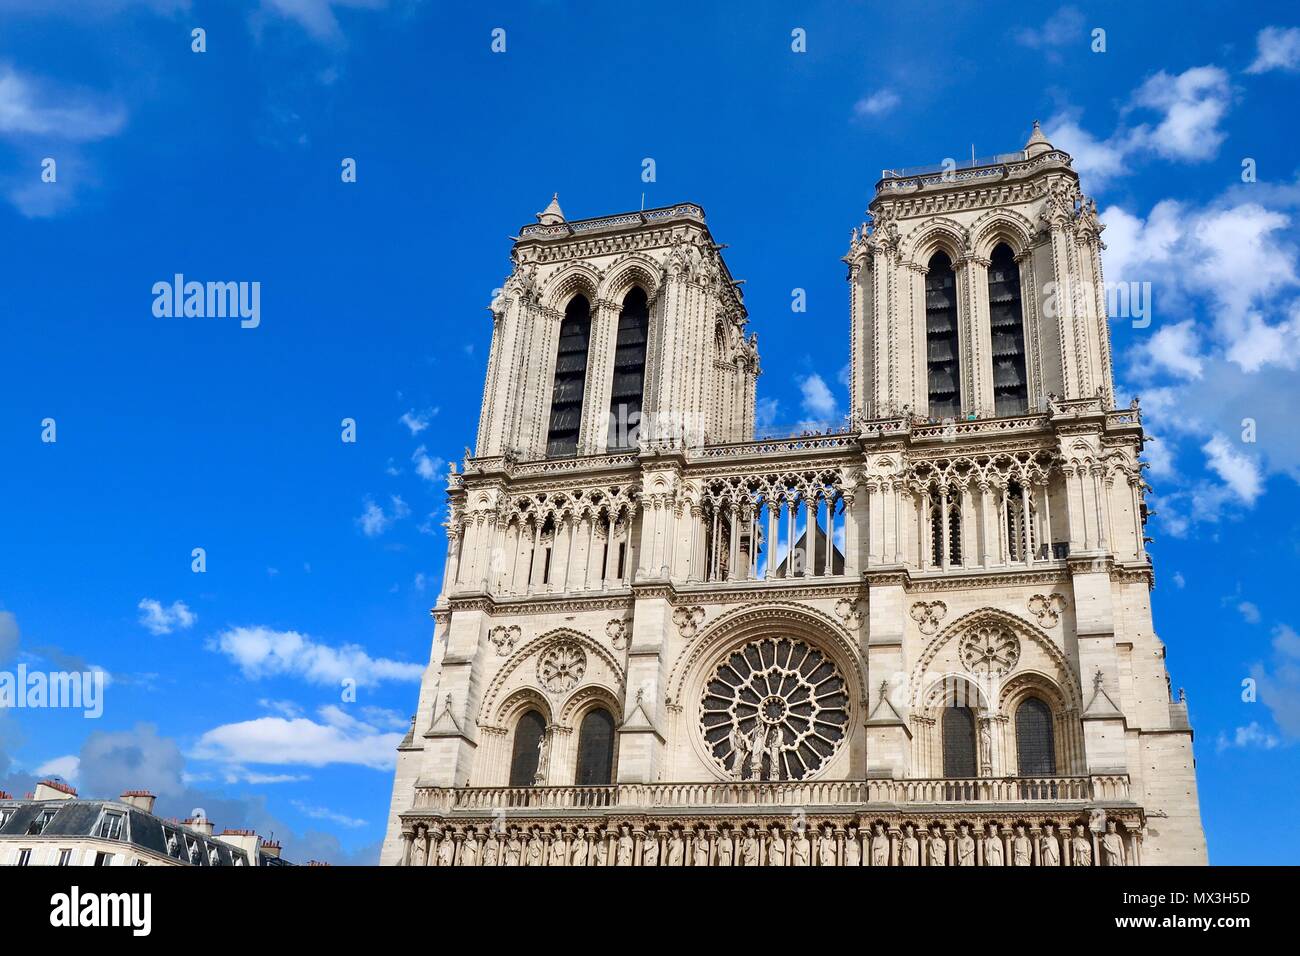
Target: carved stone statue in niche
965,846
447,849
1049,849
700,851
1081,846
514,848
1112,846
749,848
938,848
625,846
650,849
852,847
535,847
559,852
1022,850
880,847
740,748
581,848
993,855
726,848
986,748
468,850
801,848
420,847
676,847
491,849
776,847
909,850
826,855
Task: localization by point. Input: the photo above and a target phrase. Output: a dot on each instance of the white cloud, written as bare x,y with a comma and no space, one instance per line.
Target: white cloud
818,400
420,581
1238,471
1193,104
1252,735
68,767
1277,49
417,421
262,652
1249,612
877,104
1174,349
324,813
427,467
163,620
1065,26
28,107
1279,684
1180,582
765,411
335,739
374,521
317,17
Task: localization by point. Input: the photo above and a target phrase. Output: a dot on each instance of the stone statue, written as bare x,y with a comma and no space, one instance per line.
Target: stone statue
514,848
993,847
650,848
852,847
938,848
801,848
581,848
1021,848
879,846
826,855
986,748
1112,845
749,848
491,848
535,841
700,851
676,847
776,848
725,848
446,850
774,769
909,849
965,846
468,850
420,849
757,745
559,852
1049,851
543,754
1081,846
740,748
625,847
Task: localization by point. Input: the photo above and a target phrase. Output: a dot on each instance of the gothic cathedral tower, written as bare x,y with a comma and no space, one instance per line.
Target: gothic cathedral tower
922,639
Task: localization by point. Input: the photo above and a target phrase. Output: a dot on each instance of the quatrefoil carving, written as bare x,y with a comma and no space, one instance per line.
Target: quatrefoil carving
1047,608
928,614
616,630
849,611
505,638
688,620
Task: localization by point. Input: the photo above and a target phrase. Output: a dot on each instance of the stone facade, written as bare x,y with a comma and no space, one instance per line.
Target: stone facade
956,665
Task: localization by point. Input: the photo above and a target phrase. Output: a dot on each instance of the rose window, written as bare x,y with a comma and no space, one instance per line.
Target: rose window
561,667
776,709
989,650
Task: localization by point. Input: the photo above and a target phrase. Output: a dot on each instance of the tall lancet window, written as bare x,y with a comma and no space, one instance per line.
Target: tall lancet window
629,371
941,338
570,379
525,755
1006,319
958,742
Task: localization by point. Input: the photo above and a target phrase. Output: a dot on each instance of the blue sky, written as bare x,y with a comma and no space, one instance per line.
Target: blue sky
323,557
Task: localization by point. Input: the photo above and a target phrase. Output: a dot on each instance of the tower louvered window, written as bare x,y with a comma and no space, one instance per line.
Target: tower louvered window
570,379
629,371
526,751
1006,321
1035,748
942,362
958,742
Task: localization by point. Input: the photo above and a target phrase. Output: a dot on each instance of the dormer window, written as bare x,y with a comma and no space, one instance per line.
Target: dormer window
110,825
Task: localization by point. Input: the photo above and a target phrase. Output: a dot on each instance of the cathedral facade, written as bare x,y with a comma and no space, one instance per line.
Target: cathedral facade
921,638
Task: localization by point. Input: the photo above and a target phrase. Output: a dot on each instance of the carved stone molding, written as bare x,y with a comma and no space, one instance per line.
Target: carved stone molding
928,614
561,666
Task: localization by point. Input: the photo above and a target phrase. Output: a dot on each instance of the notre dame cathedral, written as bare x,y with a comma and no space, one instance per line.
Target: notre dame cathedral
921,639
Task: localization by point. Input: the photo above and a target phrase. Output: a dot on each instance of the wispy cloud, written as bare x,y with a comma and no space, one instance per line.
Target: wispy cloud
263,652
374,520
1063,27
324,813
1276,49
336,738
157,619
876,104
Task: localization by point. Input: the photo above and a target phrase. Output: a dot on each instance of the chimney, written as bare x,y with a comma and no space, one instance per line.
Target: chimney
140,799
245,840
201,824
53,790
271,848
4,795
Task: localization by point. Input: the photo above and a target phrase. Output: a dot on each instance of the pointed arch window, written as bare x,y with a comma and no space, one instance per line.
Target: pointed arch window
1022,538
570,379
596,749
1035,746
526,752
958,742
942,363
937,519
628,388
1007,324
